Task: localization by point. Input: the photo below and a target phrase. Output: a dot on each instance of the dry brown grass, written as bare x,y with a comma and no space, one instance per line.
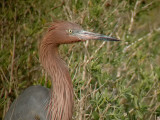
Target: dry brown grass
111,80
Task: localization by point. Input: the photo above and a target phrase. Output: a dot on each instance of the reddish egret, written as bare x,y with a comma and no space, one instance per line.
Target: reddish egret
40,103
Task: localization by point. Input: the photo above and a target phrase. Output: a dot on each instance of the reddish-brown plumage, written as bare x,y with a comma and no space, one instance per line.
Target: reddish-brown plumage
59,105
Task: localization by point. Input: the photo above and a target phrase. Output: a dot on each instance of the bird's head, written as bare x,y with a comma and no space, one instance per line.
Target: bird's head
66,32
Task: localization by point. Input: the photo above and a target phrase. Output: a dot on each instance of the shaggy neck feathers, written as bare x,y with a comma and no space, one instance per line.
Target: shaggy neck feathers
61,99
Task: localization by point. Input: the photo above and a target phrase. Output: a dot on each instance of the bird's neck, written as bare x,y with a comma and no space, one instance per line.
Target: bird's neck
61,102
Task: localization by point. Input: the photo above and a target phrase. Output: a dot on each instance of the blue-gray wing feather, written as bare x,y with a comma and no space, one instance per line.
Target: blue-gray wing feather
30,105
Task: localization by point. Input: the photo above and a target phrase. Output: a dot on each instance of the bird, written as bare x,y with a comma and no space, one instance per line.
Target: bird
41,103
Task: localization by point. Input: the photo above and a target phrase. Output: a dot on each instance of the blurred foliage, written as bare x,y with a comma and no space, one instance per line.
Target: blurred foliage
112,80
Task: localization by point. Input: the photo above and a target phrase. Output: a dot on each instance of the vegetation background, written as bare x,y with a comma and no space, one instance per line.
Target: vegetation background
112,80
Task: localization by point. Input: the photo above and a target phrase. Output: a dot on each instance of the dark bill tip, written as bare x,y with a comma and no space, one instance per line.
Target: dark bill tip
106,38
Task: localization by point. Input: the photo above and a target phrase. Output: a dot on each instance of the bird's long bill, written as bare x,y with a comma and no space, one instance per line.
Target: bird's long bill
85,35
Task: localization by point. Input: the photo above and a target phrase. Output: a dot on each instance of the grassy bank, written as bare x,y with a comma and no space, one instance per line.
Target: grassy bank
112,80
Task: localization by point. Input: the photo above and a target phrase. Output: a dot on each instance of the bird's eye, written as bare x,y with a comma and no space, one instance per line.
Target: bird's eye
69,31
